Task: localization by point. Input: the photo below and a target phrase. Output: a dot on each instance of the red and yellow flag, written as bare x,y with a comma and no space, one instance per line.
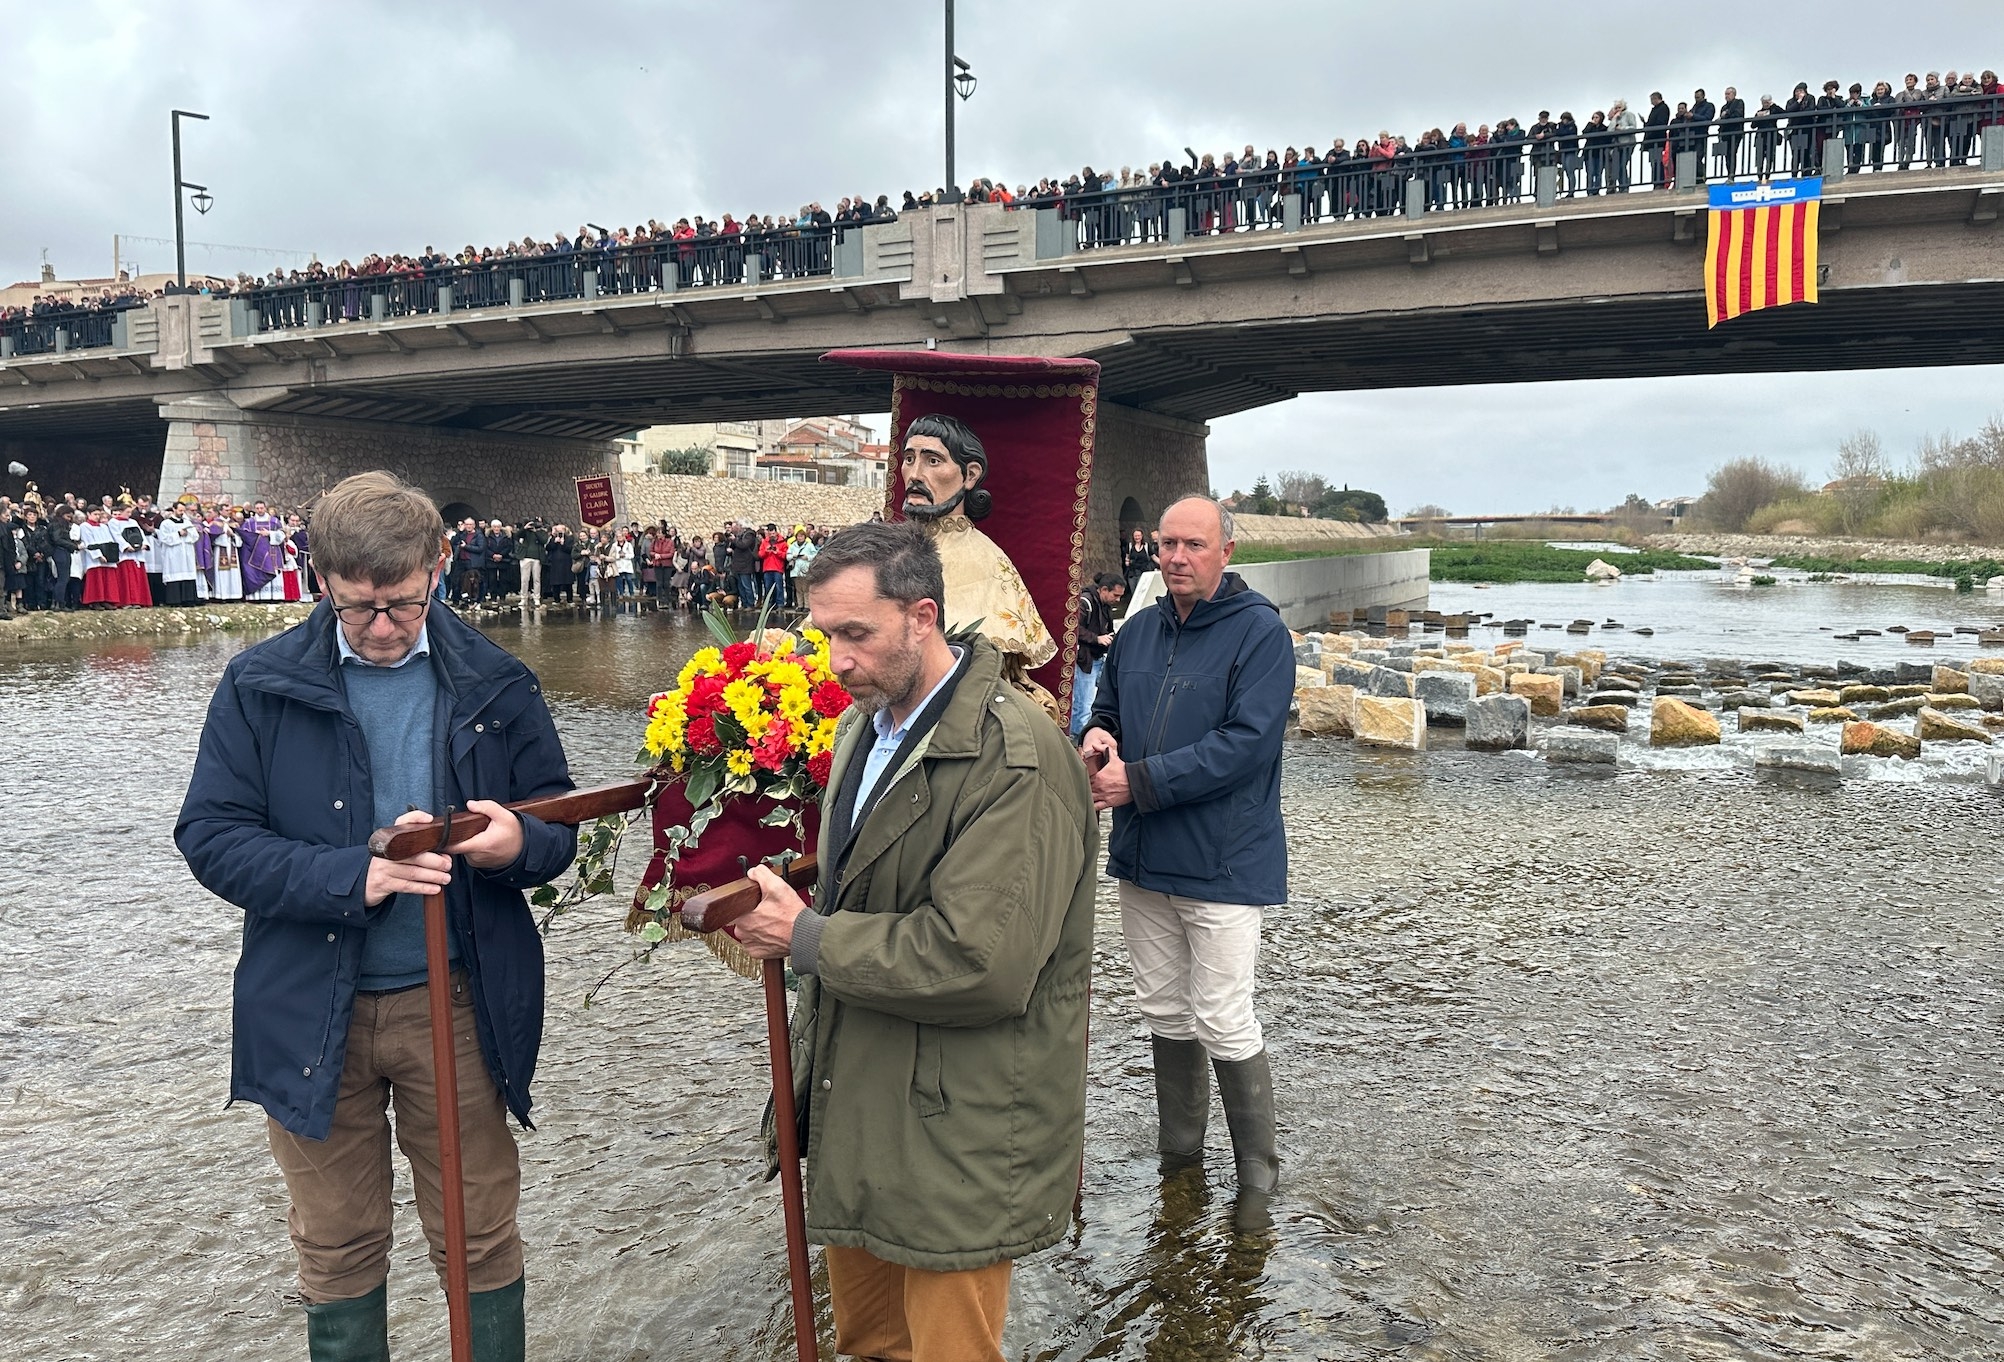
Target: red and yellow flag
1762,247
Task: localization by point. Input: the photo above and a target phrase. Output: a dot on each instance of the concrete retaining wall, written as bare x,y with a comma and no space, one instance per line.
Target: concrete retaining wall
1307,589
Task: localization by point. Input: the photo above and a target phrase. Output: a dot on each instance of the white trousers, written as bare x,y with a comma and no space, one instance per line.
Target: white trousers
532,578
1193,968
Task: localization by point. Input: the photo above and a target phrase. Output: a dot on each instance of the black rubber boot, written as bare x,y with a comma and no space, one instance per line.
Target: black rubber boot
499,1330
1182,1101
350,1331
1246,1085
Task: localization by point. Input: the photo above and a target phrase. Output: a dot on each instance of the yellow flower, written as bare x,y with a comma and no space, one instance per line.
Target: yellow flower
738,763
706,662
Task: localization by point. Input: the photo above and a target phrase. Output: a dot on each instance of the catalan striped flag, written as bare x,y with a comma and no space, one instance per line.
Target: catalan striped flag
1762,247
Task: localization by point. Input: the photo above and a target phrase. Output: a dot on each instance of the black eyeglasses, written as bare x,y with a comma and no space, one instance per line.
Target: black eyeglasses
400,612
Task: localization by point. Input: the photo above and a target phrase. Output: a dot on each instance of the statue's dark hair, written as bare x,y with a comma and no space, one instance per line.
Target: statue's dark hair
966,448
901,556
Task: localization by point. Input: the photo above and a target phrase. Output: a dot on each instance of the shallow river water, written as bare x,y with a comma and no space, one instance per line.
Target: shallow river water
1571,1064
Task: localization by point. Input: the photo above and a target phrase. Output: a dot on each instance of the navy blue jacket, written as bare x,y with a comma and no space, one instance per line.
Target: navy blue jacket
277,821
1199,707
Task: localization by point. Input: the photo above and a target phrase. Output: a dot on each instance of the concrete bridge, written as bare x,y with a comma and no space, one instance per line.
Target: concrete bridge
498,406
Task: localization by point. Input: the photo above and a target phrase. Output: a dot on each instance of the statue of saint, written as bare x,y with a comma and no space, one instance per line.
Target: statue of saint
943,465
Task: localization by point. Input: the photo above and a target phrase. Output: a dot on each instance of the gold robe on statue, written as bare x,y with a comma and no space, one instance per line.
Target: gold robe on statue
983,585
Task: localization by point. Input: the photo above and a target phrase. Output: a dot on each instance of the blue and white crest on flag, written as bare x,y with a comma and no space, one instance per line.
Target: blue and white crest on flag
1744,195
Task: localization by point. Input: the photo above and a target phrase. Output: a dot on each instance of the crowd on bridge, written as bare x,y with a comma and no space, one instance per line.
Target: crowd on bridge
126,551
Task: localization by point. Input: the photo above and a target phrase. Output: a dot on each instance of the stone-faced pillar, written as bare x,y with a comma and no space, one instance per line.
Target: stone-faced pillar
1141,462
210,452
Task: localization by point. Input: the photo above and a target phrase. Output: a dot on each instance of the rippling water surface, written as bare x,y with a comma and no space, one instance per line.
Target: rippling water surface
1629,1064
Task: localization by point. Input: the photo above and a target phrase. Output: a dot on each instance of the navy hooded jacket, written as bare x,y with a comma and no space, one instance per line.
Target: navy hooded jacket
277,820
1199,707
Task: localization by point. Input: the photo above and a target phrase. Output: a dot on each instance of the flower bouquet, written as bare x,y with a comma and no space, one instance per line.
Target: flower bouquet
742,747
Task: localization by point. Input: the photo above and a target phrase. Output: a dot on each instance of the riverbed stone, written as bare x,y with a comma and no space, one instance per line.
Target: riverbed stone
1590,661
1832,714
1306,678
1770,721
1853,695
1617,681
1386,681
1329,712
1390,721
1809,758
1953,701
1580,745
1672,723
1607,718
1374,656
1445,696
1498,722
1987,689
1627,698
1399,664
1488,680
1898,709
1546,693
1876,740
1815,699
1308,654
1949,681
1986,666
1349,674
1569,678
1913,673
1931,725
1742,699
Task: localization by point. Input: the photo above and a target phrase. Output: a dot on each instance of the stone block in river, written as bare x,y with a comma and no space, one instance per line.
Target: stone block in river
1987,688
1906,691
1338,643
1742,699
1385,681
1913,673
1689,691
1546,693
1770,721
1854,695
1398,664
1308,655
1329,712
1306,678
1606,718
1617,681
1878,676
1627,698
1949,681
1806,757
1931,725
1952,701
1498,723
1390,721
1987,666
1876,740
1832,714
1580,745
1488,680
1349,674
1672,723
1371,655
1898,709
1590,661
1445,696
1815,699
1569,677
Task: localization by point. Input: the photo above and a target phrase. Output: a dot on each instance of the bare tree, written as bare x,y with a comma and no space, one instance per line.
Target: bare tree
1428,511
1299,487
1739,487
1859,475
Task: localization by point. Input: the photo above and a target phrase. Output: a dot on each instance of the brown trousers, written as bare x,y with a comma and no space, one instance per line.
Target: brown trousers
888,1313
340,1186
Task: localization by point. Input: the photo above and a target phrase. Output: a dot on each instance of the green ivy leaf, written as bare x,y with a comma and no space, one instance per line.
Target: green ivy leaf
653,932
544,896
702,788
779,817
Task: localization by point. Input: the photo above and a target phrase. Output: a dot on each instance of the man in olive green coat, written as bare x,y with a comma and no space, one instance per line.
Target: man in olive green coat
939,1037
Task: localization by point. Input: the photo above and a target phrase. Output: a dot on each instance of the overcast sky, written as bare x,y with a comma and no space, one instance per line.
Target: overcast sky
342,128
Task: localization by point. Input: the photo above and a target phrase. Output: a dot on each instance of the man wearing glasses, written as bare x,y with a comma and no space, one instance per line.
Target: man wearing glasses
380,706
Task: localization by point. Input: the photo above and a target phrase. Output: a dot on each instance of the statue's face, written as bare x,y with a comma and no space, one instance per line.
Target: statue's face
934,483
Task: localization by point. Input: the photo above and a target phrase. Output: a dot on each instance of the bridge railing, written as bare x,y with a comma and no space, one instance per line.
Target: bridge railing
671,266
58,333
1829,142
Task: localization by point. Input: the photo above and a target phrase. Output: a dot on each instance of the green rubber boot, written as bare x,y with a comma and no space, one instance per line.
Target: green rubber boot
350,1331
1182,1101
500,1333
1246,1085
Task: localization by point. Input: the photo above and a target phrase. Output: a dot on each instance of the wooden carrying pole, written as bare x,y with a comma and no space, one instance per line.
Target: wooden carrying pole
447,835
714,910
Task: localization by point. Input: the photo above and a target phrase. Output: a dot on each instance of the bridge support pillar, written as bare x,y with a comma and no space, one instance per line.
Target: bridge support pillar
1993,148
1686,170
1141,463
219,450
1546,185
1835,161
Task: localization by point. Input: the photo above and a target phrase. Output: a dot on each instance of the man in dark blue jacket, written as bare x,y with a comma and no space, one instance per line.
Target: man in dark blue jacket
1184,747
380,703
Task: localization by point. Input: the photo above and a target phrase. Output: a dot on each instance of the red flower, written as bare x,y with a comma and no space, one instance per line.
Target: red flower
737,655
701,735
706,696
818,767
775,747
829,699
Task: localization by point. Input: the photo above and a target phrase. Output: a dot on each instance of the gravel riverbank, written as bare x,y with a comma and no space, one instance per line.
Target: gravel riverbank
209,617
1778,545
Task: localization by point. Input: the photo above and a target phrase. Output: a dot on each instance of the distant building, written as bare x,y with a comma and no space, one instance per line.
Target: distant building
1675,507
833,451
26,292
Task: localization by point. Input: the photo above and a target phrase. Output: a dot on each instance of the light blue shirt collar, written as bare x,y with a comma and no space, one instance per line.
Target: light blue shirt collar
890,735
420,648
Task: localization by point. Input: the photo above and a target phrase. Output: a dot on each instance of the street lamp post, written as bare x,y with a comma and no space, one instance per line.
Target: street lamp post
202,199
960,82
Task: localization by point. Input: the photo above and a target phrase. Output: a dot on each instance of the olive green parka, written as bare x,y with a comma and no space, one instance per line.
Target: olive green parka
939,1047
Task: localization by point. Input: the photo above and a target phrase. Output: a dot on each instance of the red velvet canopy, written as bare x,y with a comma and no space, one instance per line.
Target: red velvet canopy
1036,419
